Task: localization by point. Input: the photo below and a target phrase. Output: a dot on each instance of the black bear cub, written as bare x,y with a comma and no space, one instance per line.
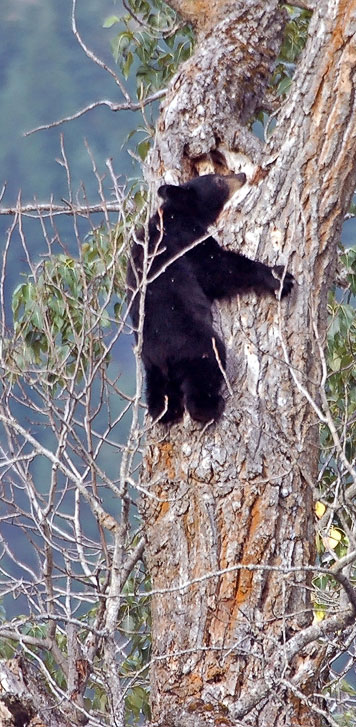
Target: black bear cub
184,357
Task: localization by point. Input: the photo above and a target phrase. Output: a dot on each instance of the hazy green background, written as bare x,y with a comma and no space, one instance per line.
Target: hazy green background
44,75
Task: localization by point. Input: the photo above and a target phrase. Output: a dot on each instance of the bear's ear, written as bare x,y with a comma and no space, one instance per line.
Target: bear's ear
178,196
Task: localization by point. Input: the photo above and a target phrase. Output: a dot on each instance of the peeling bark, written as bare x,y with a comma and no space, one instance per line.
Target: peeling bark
241,492
25,700
219,87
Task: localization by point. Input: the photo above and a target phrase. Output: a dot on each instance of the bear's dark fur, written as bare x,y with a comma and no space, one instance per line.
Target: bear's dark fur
182,354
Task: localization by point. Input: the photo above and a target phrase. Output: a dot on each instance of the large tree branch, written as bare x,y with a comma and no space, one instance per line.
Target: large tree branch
205,14
219,89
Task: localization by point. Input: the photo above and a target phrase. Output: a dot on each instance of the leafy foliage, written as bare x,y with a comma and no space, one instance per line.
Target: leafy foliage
134,626
62,309
341,348
341,396
295,37
60,312
136,621
150,43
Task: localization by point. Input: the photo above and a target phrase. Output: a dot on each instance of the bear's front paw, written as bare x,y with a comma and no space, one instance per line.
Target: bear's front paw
287,278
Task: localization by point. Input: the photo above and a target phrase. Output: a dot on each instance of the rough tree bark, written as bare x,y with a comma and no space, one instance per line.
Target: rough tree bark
25,699
237,647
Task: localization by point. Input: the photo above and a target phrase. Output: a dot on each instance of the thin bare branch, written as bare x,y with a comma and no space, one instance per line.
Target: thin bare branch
127,106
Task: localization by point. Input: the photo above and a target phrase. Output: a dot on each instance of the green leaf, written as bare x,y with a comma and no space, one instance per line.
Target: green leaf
37,318
127,65
143,148
284,86
110,21
117,310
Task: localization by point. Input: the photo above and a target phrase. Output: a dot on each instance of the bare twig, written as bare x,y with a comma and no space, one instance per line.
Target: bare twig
91,55
127,106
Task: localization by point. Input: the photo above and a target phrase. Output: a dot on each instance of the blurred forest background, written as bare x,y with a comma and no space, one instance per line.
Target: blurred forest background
45,76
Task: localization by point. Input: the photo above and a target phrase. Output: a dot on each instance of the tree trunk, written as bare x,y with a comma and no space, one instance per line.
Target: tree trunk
229,525
25,700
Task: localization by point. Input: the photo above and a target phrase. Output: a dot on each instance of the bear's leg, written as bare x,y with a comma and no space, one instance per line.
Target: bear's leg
175,408
158,387
202,382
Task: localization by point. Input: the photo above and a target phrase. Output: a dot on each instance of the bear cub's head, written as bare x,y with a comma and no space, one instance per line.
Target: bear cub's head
202,198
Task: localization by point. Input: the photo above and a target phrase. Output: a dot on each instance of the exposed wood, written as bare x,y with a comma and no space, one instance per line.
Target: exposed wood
25,700
219,88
